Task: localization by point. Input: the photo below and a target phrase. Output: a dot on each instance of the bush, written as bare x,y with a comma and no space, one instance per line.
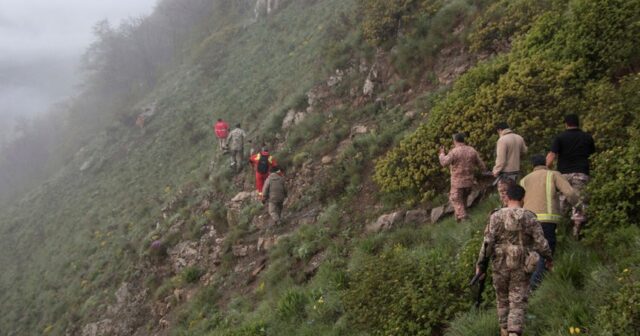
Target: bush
621,315
192,274
404,293
291,305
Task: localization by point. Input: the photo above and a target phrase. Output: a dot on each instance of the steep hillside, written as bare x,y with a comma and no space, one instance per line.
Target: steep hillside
147,231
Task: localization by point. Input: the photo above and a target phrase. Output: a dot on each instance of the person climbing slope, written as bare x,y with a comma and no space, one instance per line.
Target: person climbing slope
463,161
221,129
542,197
274,193
573,147
514,242
236,146
262,163
509,148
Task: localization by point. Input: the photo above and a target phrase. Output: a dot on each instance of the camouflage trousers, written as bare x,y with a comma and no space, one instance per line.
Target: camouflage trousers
458,199
578,182
275,211
512,294
236,159
503,185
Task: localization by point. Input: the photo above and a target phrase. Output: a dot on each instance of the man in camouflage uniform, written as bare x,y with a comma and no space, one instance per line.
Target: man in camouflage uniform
510,238
235,141
274,192
509,148
463,161
573,147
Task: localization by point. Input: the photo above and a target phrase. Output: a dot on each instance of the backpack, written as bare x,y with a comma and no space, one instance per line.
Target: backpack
263,164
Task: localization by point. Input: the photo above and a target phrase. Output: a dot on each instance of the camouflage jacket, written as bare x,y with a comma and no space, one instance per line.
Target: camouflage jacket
512,226
464,161
236,139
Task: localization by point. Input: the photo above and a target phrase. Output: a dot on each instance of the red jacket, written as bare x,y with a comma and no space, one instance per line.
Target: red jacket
222,129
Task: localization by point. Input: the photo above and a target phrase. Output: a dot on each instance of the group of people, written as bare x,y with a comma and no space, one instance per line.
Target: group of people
520,237
270,182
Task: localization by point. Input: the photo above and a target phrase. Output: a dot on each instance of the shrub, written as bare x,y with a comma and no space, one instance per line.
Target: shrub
192,274
404,293
621,315
290,306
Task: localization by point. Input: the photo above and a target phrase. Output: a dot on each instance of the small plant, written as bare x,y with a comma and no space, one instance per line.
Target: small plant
192,274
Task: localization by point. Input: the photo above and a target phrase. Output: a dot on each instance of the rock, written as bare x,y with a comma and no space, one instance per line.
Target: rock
178,294
86,165
261,266
185,254
242,196
449,208
327,159
359,129
473,196
335,79
292,118
122,294
385,222
240,250
437,213
418,216
411,114
164,324
102,328
313,265
368,87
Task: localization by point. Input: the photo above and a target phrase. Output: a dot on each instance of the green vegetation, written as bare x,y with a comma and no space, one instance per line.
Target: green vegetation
69,244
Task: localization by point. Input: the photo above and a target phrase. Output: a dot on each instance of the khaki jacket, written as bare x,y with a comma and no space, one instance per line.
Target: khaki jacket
236,139
274,190
509,148
542,187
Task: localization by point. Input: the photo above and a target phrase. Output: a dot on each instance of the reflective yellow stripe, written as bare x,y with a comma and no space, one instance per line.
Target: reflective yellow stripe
549,218
549,192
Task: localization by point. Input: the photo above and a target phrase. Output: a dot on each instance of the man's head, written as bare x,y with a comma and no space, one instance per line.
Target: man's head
571,121
277,170
538,160
238,125
458,138
501,126
264,149
515,193
219,119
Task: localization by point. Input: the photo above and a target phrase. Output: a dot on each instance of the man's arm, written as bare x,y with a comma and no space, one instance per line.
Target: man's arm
501,153
445,160
565,188
486,251
265,189
551,157
480,163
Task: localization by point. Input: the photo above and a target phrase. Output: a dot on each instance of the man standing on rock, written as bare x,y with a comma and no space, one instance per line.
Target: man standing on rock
542,198
274,193
509,148
463,161
262,163
236,146
573,147
221,129
514,241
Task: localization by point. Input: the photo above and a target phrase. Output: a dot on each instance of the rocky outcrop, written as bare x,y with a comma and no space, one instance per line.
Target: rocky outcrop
292,118
386,222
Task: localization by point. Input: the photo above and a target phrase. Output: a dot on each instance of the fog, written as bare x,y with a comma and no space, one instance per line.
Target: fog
41,42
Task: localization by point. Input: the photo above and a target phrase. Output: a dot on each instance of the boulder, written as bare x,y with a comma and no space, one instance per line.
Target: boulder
102,328
417,216
473,196
185,254
240,250
411,114
437,213
327,159
242,196
368,87
292,118
385,222
359,129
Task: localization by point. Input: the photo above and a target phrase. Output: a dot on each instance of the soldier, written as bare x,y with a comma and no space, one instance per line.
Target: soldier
235,142
274,192
573,148
509,148
544,187
463,161
514,241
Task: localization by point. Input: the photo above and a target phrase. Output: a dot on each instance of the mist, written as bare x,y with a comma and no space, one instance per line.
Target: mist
41,44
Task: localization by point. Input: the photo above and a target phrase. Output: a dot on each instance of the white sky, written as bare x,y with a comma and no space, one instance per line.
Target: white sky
49,36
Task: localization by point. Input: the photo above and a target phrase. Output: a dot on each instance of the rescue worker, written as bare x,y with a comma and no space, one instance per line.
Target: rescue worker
543,198
509,148
221,129
274,193
262,163
572,148
463,161
514,242
235,140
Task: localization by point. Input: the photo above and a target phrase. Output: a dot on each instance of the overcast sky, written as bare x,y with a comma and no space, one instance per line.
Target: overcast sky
40,45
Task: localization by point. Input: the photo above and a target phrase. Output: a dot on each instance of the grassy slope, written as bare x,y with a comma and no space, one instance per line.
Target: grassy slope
73,240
